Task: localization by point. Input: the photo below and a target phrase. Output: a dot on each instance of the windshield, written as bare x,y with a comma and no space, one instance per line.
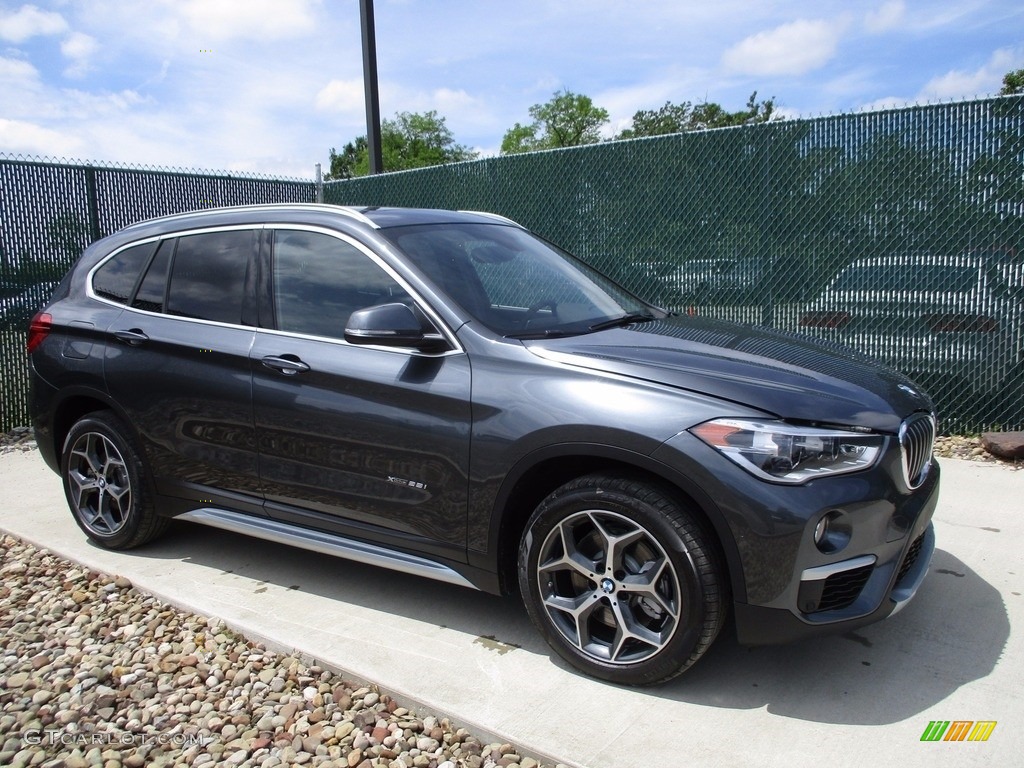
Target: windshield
515,283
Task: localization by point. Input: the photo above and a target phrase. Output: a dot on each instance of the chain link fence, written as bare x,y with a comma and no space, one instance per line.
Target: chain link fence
49,213
898,233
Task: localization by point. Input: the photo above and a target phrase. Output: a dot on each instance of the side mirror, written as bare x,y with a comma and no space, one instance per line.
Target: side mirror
392,325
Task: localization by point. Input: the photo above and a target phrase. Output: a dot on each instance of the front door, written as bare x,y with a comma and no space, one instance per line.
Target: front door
363,441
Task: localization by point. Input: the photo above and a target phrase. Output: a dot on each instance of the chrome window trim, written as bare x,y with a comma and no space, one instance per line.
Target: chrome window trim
160,238
424,306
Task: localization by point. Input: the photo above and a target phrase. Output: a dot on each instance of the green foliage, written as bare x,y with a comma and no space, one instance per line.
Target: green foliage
411,140
68,235
1013,82
520,138
343,165
680,118
567,120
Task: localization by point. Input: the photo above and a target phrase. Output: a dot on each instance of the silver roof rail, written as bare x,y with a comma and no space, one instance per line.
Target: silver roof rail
348,211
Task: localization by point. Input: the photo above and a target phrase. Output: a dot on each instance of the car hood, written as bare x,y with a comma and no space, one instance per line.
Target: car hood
790,376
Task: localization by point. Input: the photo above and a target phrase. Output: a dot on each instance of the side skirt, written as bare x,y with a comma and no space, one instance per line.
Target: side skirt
325,543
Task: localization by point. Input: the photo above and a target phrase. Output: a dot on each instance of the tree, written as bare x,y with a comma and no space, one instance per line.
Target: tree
679,118
567,120
1013,82
411,140
68,236
344,165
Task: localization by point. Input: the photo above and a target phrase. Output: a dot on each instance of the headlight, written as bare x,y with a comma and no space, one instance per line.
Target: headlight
783,453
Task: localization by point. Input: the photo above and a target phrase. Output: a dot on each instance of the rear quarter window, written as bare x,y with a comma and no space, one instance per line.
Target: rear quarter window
116,279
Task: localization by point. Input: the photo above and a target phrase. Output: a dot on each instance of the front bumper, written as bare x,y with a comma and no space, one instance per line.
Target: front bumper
786,586
759,625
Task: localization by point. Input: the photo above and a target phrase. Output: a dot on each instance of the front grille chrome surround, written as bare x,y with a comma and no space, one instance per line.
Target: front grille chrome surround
917,439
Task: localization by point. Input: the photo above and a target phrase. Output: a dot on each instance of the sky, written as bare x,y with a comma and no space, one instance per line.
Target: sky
270,86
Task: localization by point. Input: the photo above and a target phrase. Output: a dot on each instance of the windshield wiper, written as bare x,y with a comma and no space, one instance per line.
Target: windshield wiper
550,333
627,319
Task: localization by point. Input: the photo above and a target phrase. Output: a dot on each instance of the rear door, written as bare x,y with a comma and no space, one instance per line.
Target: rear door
363,441
177,362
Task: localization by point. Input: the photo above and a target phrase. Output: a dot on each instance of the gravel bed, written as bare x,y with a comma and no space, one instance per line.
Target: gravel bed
94,673
970,449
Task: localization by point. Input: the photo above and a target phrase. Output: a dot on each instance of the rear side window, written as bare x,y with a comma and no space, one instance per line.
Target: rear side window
320,280
116,279
208,275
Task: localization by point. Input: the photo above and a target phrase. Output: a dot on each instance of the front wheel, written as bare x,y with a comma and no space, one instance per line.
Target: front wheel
106,485
621,580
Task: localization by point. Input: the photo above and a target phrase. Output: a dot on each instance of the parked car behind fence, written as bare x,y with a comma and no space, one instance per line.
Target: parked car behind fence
950,322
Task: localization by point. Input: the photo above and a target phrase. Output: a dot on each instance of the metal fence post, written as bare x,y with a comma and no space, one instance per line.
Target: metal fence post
94,211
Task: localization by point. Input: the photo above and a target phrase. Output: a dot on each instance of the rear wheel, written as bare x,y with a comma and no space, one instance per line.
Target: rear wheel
106,484
621,580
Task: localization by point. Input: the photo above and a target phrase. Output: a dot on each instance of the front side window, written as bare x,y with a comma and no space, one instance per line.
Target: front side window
320,280
208,275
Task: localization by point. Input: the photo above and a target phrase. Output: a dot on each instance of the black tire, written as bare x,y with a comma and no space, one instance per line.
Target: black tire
106,483
664,565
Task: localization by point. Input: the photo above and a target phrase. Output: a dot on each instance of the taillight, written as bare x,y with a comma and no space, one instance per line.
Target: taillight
38,330
825,319
961,323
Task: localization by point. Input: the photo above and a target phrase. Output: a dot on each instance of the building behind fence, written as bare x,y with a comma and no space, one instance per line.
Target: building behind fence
899,232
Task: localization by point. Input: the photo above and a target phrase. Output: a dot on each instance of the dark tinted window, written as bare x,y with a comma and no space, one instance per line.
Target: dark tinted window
208,275
320,280
116,279
150,295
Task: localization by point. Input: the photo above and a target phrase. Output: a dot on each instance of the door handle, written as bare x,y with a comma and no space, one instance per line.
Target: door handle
289,365
133,337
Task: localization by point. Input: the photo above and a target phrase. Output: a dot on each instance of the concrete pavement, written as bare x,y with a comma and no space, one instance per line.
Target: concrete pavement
955,653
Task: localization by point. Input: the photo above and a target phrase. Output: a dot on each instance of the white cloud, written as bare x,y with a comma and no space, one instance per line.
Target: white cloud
28,21
446,99
79,48
344,96
889,16
20,137
249,19
791,49
960,83
17,71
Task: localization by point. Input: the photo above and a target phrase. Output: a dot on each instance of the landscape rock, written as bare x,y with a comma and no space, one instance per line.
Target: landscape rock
1005,445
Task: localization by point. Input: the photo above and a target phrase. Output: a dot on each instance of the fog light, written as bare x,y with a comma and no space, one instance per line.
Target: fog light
820,530
832,533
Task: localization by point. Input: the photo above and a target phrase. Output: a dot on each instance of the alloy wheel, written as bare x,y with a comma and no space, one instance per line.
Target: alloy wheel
608,587
98,484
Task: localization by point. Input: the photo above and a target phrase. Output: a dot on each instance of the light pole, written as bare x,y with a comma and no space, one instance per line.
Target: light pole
370,86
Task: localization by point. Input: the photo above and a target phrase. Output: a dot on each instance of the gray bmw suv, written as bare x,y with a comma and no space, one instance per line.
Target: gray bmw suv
446,394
